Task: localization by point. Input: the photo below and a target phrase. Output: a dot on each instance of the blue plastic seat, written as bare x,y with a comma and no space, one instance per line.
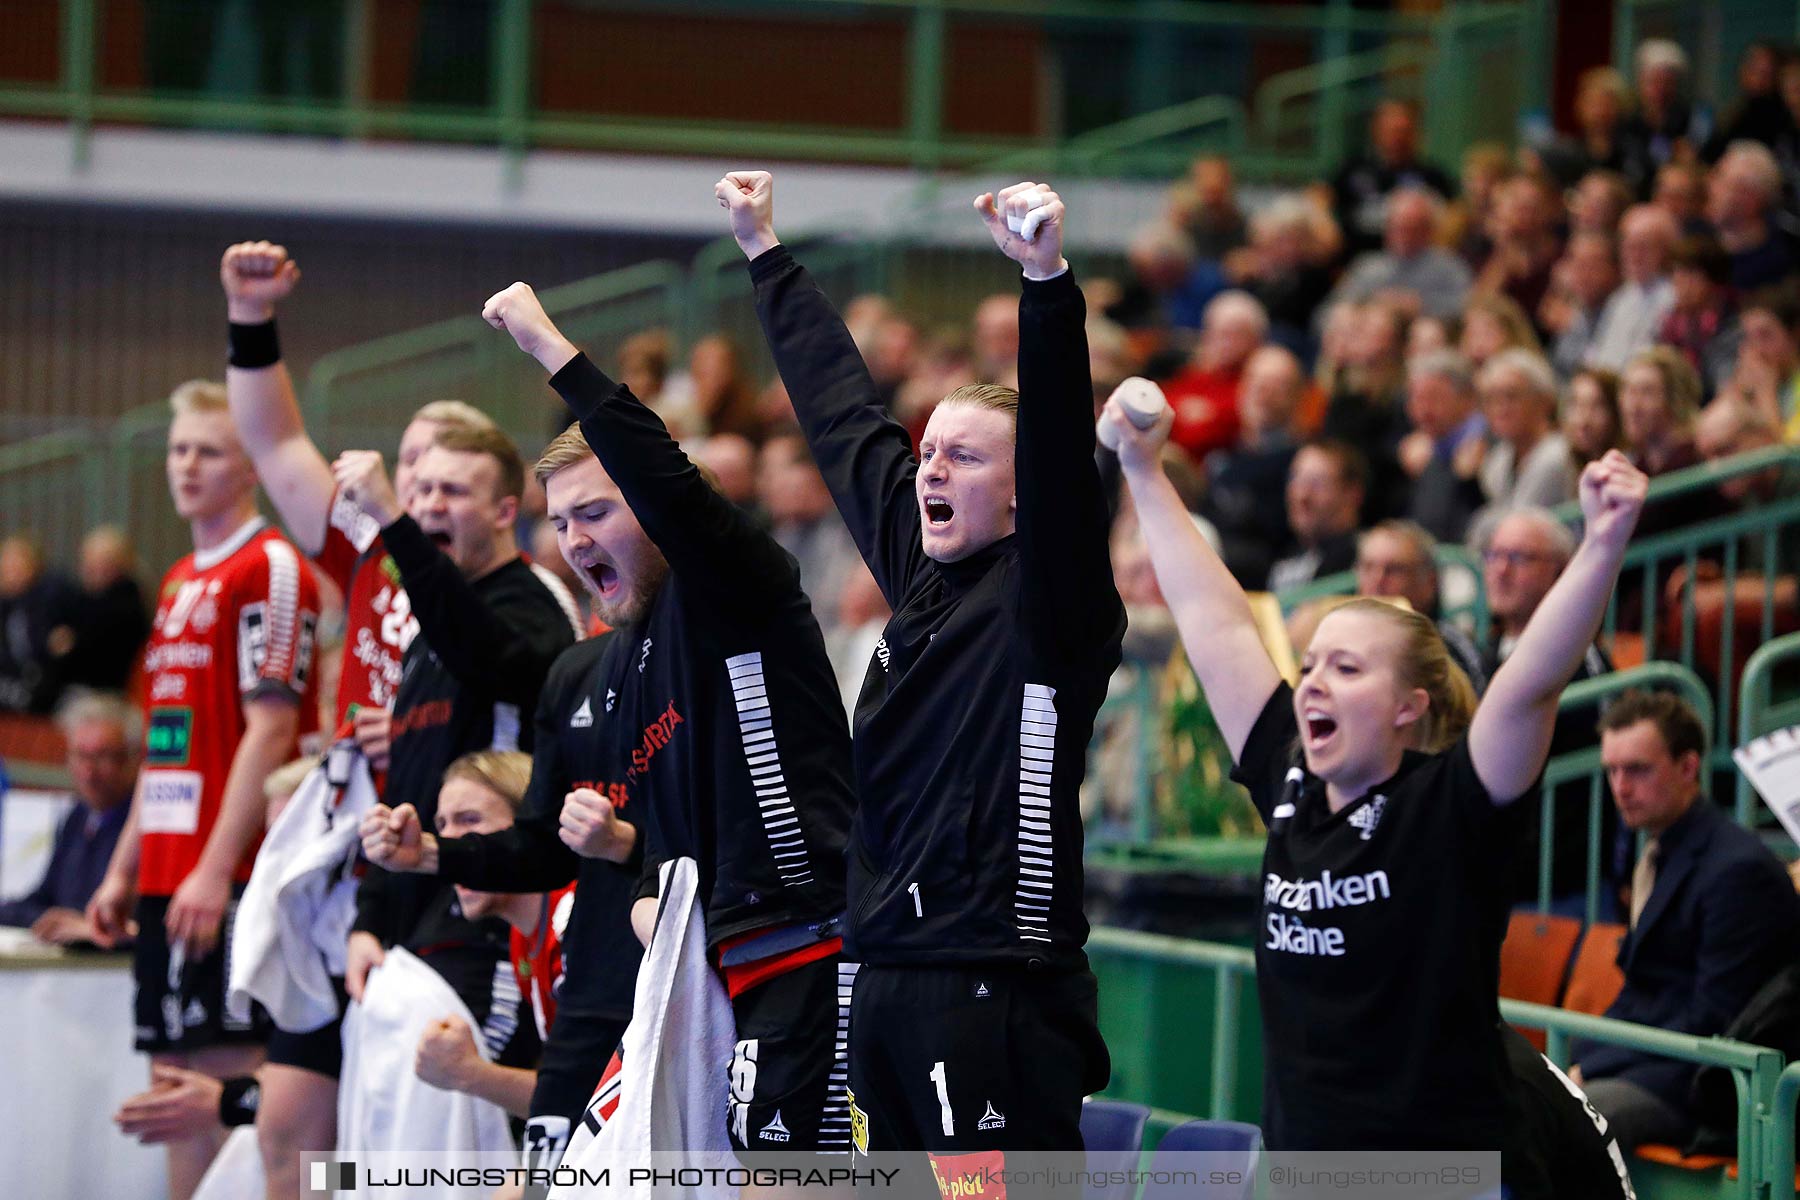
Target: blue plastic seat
1113,1132
1229,1145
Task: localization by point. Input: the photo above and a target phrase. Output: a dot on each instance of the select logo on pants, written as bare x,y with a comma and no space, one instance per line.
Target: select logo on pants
332,1177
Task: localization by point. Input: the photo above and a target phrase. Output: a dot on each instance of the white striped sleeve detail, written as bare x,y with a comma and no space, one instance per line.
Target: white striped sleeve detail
1036,846
503,1009
281,631
762,758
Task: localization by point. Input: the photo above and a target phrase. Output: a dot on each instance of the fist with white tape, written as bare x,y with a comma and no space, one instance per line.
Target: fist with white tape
1135,422
1026,221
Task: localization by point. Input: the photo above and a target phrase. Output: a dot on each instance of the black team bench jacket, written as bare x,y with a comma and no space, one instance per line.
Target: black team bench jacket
973,722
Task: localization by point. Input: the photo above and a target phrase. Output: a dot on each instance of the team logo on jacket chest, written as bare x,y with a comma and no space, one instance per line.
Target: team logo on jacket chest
656,735
1368,816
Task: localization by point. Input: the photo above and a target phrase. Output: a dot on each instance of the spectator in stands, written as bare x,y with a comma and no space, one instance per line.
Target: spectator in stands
1398,558
1286,267
892,357
1590,419
1681,189
732,460
1585,276
995,329
1205,206
1364,187
1599,202
1426,335
1443,452
1729,427
1486,166
103,735
1408,261
1787,144
1109,358
1494,323
1713,916
1204,395
34,605
1758,115
1768,367
1326,484
803,519
1666,119
1528,462
1367,404
1523,230
862,614
1524,554
1743,197
1703,324
1169,283
1606,138
1636,310
1659,397
644,365
109,624
713,395
1246,482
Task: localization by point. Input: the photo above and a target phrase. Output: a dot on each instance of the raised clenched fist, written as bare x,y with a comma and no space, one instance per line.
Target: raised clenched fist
518,311
256,276
749,196
1026,208
393,838
1612,493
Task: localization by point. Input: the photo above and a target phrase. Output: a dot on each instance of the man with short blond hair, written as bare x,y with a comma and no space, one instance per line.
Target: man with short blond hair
975,715
229,690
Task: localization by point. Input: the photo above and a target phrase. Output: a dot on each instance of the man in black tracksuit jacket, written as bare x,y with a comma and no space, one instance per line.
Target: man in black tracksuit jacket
722,724
488,631
599,951
973,1027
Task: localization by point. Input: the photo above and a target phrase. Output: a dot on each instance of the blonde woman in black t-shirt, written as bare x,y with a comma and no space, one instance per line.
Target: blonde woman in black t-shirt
1389,798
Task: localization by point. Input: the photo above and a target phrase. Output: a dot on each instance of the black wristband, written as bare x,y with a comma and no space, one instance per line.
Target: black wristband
238,1102
254,346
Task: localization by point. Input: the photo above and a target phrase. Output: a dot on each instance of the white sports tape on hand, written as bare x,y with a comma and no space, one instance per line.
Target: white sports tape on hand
1027,225
1141,401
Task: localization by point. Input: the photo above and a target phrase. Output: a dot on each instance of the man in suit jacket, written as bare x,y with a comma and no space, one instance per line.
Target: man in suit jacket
1713,916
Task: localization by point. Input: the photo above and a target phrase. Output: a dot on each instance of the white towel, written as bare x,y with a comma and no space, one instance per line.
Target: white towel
295,915
673,1089
382,1105
236,1170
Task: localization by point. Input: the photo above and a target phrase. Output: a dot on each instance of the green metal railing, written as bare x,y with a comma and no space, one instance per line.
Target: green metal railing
1755,1073
364,394
1737,543
1147,50
1149,53
1759,710
1766,1096
1781,1131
